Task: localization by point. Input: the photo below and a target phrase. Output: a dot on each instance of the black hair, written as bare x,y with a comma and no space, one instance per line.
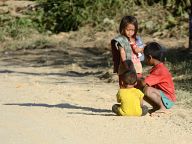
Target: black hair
128,20
130,77
154,50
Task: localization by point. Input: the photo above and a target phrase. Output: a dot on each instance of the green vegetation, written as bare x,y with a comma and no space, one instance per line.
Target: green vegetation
16,28
66,15
180,63
154,16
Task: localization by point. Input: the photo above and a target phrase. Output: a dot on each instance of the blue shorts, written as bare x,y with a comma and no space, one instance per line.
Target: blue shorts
167,103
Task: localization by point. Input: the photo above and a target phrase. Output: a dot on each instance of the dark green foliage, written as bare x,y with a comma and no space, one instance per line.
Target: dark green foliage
154,16
66,15
60,15
179,62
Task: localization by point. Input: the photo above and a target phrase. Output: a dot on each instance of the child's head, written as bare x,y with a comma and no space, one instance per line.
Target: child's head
153,51
130,78
128,26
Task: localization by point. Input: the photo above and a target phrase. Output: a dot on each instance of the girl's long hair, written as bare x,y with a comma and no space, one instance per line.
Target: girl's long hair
128,20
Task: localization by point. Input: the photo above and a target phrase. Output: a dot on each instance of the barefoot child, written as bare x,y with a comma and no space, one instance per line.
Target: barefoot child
130,98
158,86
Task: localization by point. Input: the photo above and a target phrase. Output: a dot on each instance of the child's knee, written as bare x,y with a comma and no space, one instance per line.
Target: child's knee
152,92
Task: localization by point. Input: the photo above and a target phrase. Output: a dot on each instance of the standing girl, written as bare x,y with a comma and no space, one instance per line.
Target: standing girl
127,48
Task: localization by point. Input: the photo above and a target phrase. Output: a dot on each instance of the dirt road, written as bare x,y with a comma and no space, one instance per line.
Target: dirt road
66,102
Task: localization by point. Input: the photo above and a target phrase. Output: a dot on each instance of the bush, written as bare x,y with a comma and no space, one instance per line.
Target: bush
13,27
66,15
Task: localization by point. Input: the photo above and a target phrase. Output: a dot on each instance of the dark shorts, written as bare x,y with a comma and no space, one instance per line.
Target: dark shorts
167,103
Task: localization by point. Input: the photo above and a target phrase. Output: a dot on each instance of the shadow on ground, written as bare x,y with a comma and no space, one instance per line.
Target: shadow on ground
87,61
68,73
54,56
71,61
92,111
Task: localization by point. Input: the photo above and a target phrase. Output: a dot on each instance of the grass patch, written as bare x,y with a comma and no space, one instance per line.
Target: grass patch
15,28
179,62
184,98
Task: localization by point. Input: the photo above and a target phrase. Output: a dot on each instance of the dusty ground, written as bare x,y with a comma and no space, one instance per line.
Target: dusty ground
56,95
64,94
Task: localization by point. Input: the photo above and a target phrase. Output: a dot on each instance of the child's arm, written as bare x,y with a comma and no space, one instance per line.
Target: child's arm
137,45
136,49
141,95
123,57
118,97
141,102
141,83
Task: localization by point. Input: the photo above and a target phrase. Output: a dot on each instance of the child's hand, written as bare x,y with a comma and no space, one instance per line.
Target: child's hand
141,83
133,45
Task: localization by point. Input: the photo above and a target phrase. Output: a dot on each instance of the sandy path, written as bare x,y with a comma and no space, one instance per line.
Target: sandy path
52,105
38,106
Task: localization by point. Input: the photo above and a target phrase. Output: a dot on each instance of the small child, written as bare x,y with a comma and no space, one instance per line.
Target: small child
158,86
130,98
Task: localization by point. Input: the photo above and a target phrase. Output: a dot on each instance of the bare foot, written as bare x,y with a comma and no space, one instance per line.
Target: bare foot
160,112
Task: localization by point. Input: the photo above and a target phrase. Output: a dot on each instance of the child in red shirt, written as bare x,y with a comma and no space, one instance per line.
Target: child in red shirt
158,86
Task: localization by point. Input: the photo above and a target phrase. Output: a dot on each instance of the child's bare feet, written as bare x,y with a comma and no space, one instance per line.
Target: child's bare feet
159,113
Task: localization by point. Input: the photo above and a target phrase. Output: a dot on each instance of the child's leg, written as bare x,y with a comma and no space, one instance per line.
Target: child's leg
154,97
154,105
115,109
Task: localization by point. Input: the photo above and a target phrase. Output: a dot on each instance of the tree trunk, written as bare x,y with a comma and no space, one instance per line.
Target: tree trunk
190,29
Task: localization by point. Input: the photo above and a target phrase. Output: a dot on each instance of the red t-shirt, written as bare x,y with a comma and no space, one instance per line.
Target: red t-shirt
160,78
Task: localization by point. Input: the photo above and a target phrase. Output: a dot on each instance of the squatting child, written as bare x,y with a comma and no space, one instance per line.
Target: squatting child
158,86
